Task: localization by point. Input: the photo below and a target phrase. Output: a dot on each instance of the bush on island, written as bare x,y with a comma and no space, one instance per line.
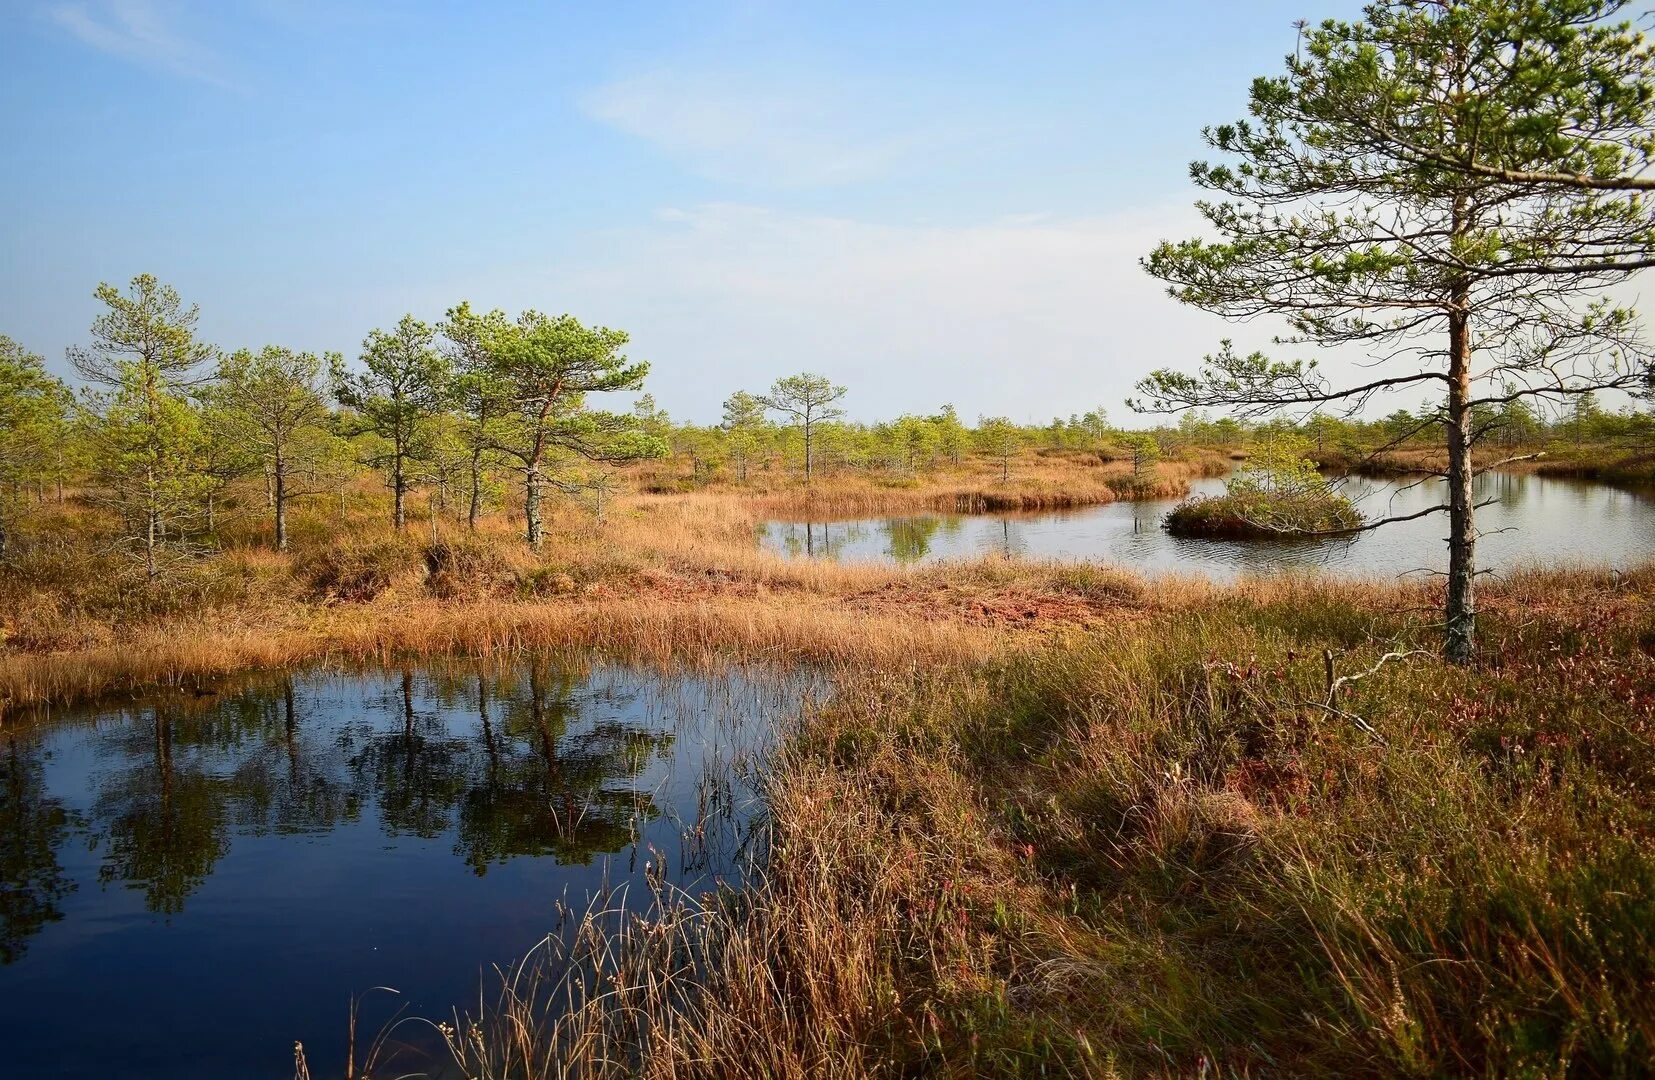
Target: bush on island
1277,494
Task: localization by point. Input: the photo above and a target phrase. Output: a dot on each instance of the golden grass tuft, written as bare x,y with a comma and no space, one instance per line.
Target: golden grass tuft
1143,850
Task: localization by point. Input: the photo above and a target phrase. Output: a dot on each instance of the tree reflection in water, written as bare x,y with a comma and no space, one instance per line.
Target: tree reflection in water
33,827
1530,519
543,790
533,763
162,817
910,537
416,772
813,538
252,859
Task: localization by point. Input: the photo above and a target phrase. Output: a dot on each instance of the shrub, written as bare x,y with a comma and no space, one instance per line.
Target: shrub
1278,493
468,566
63,592
549,580
358,570
1236,517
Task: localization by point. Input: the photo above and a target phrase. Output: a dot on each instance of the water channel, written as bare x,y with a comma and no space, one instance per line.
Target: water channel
1529,520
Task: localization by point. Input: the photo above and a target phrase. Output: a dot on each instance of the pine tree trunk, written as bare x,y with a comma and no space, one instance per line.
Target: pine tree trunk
279,497
476,490
399,489
531,505
152,523
1460,616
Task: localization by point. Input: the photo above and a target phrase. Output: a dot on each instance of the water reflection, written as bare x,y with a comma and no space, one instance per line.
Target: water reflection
1531,519
902,540
250,861
33,827
539,793
171,783
909,539
817,538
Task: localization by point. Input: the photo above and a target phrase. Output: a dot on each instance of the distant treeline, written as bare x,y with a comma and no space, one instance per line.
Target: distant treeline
483,408
748,438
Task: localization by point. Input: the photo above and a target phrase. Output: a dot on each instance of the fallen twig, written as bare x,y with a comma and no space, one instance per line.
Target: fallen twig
1339,682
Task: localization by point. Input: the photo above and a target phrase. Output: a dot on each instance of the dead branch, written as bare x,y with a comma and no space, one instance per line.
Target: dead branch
1335,683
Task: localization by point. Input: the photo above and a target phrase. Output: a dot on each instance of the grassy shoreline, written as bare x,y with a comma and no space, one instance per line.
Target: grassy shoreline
1052,481
194,656
1058,820
1632,465
1152,849
660,574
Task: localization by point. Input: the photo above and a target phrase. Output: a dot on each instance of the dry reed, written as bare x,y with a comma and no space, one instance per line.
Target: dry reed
1144,850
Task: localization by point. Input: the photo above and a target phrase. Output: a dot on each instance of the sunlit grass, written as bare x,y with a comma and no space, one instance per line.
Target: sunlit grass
1058,820
1153,848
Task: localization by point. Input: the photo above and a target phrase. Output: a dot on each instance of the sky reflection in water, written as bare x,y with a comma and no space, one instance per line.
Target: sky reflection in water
213,879
1533,520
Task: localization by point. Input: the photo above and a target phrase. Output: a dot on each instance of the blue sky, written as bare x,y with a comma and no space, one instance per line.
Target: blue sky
927,202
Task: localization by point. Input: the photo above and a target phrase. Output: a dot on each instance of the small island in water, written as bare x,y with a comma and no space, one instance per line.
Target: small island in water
1279,493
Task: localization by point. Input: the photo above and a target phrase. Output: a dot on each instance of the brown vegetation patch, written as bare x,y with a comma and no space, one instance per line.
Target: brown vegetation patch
1020,606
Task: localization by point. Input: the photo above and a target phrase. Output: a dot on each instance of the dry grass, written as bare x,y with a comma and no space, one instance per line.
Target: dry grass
1058,820
194,653
1615,464
1143,851
660,574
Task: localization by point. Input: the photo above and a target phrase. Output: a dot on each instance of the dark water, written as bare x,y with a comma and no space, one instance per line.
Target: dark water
191,885
1533,520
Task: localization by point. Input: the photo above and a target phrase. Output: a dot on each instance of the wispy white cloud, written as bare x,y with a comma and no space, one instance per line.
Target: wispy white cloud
763,129
139,31
992,315
1023,316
